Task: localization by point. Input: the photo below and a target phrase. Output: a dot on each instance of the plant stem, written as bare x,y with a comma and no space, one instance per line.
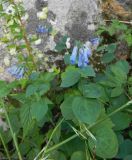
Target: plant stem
5,147
12,133
44,149
27,42
74,136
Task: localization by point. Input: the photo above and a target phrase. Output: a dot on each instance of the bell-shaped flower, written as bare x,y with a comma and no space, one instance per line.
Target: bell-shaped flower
80,58
95,42
74,55
17,72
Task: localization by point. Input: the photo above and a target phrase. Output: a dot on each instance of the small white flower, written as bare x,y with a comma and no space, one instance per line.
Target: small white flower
68,45
10,10
6,61
38,42
13,51
40,55
42,14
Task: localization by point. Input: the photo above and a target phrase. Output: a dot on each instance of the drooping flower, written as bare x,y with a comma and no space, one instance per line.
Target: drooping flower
16,71
84,54
41,29
74,55
80,58
95,42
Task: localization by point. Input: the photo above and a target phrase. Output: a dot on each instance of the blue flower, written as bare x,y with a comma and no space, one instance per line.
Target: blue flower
17,72
74,55
84,54
80,58
95,41
41,29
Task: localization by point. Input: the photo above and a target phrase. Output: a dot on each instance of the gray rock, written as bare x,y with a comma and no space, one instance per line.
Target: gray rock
75,18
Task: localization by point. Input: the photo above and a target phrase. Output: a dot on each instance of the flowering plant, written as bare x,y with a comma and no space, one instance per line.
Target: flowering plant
76,112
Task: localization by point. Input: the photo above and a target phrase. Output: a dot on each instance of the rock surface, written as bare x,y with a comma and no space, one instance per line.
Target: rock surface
76,18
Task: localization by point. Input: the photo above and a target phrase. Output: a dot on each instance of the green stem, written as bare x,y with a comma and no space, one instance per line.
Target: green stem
12,133
74,136
45,148
5,147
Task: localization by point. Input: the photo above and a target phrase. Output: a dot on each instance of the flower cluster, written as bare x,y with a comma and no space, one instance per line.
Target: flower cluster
16,71
41,29
83,53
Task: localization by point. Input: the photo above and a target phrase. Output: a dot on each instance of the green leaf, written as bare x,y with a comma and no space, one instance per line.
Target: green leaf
91,90
56,155
39,110
116,91
123,65
86,110
5,88
108,57
31,90
121,120
67,59
26,118
87,72
66,108
78,155
40,89
129,157
106,143
70,77
130,91
130,134
125,149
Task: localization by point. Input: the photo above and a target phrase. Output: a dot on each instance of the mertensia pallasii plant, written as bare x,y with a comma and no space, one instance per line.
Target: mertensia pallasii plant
68,113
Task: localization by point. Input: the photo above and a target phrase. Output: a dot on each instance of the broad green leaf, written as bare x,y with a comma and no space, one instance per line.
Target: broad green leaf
129,157
66,108
121,120
125,149
26,118
91,90
86,110
43,88
78,155
87,72
119,73
56,155
37,88
5,88
31,89
116,91
39,110
108,57
123,65
70,77
106,143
